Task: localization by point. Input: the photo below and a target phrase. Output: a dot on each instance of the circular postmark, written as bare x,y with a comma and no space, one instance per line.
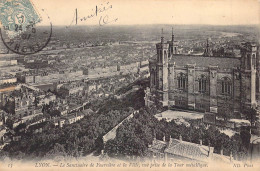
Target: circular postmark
23,30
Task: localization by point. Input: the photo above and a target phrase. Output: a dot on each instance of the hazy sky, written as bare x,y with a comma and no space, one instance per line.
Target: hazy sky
128,12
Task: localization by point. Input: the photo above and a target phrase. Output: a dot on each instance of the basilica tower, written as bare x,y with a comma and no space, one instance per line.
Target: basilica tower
248,75
162,71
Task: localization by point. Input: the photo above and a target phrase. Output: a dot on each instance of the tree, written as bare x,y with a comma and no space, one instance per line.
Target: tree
36,101
58,150
9,123
55,113
3,155
226,110
245,138
251,114
9,107
20,127
19,155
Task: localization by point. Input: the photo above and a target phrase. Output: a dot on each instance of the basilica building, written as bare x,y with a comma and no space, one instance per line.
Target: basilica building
203,83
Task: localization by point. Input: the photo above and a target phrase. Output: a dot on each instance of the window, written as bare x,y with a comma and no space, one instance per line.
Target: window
153,77
182,81
202,84
160,56
248,61
254,61
226,86
165,57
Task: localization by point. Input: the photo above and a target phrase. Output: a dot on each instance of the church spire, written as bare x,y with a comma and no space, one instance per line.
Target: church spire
207,48
207,51
172,35
162,38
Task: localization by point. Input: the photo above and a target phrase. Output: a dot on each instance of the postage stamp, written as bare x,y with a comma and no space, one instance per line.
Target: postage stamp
20,30
16,15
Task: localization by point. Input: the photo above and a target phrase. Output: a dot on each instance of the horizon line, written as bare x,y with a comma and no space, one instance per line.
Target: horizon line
257,25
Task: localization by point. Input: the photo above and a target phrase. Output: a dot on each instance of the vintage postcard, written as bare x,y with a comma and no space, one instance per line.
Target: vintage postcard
129,85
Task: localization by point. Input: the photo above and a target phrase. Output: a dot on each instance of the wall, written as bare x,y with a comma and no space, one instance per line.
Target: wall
191,98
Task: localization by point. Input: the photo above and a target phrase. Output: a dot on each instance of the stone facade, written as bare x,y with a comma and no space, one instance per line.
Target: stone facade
207,84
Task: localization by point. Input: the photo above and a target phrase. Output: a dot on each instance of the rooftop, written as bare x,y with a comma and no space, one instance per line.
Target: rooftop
6,89
158,146
201,61
188,149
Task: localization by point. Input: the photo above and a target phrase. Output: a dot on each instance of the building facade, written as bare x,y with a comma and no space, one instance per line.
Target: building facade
208,84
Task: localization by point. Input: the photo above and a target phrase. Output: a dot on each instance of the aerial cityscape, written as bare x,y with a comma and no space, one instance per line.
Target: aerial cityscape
197,81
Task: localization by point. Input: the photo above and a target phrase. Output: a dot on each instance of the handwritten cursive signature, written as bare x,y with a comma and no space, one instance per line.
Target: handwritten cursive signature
99,11
105,20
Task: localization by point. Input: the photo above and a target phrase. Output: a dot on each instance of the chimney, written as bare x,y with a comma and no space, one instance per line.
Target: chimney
170,140
231,157
164,138
211,149
180,138
221,151
200,141
154,138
